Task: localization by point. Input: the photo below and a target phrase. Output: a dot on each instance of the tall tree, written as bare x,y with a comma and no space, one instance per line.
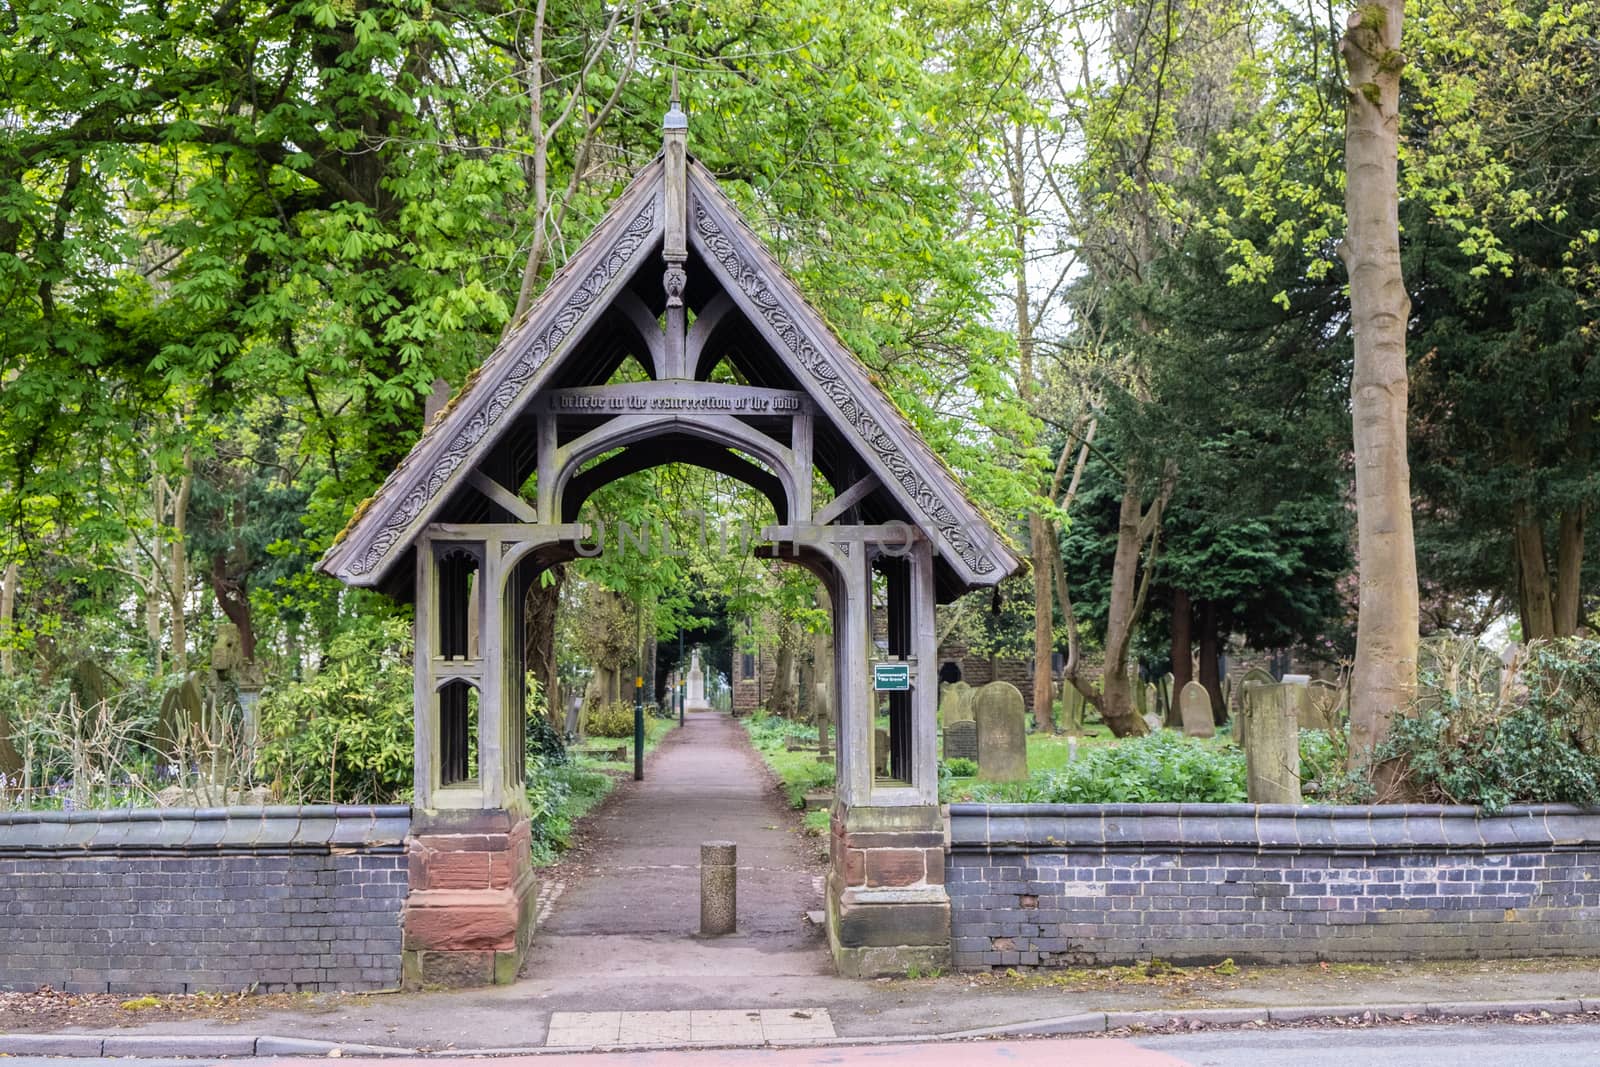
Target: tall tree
1385,673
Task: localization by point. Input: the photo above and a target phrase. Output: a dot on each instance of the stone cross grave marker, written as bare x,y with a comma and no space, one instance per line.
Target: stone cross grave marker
997,709
1195,705
961,740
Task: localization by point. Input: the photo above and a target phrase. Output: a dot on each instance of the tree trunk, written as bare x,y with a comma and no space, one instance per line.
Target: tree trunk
8,616
1043,619
1533,574
1210,655
539,637
153,593
1182,642
1385,674
782,702
1122,615
178,590
1569,571
234,600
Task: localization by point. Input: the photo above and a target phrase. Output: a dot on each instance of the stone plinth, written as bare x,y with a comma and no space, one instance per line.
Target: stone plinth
469,917
887,906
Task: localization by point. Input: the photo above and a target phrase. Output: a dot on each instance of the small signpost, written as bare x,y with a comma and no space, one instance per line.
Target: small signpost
891,677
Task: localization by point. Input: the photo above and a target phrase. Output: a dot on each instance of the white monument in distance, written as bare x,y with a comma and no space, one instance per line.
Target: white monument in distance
695,698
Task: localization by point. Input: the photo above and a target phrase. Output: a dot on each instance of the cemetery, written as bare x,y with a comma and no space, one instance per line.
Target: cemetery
748,509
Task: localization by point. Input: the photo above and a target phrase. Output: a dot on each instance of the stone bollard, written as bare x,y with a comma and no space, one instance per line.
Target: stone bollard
719,887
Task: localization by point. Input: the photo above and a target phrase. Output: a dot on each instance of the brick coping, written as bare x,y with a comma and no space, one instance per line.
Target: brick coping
1355,830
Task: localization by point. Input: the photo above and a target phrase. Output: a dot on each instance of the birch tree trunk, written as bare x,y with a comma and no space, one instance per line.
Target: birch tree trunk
1385,673
8,615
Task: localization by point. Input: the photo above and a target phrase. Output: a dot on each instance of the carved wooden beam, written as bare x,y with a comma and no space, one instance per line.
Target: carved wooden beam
513,505
699,454
847,499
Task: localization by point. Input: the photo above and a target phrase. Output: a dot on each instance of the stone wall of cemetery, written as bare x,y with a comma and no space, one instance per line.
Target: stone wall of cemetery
228,899
1060,885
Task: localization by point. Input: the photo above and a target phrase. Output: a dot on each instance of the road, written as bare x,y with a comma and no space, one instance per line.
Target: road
1504,1045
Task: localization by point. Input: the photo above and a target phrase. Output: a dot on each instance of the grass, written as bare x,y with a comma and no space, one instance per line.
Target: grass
800,772
563,793
1160,767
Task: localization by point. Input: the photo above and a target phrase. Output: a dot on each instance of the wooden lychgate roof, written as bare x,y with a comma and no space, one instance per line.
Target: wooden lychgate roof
673,235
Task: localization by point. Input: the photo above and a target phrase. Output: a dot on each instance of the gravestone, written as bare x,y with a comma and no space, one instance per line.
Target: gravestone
961,740
1253,677
822,692
880,753
955,705
997,709
1272,748
1194,703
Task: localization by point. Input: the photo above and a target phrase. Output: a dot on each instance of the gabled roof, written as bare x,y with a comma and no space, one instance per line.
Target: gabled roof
732,259
386,523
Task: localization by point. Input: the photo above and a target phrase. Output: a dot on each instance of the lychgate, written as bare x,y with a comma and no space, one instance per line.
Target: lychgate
674,278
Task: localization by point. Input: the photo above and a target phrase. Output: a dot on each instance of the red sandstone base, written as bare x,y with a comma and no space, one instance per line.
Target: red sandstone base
469,917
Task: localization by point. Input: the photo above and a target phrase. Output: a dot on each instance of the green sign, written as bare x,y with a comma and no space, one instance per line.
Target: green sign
891,677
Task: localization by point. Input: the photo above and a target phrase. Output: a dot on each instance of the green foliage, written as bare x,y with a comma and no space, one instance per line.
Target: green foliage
800,772
559,794
544,741
1158,768
1465,745
960,767
343,734
609,720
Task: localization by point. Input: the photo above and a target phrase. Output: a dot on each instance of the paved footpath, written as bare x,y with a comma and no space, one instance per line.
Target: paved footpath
632,910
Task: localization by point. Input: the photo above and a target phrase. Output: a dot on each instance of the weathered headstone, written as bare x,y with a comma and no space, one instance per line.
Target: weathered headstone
961,740
1252,678
880,753
955,704
822,692
1272,749
1194,703
997,709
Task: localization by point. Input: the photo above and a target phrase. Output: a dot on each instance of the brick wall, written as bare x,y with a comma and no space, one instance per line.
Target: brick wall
1056,885
171,900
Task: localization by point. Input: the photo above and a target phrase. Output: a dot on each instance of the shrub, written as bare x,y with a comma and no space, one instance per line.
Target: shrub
558,795
960,767
343,734
1474,737
609,720
772,731
544,741
1161,767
